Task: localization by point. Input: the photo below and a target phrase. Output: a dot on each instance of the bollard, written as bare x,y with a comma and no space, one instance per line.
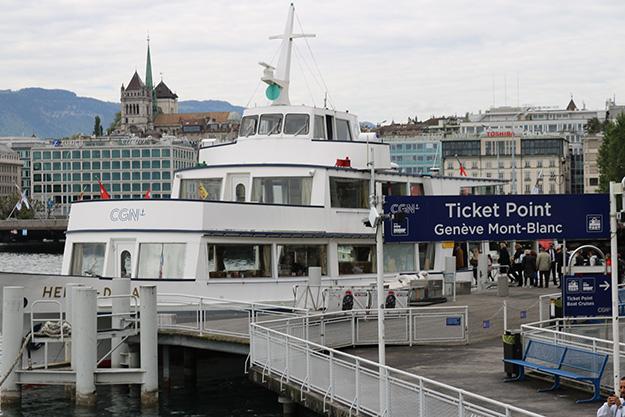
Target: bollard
12,328
120,306
84,338
502,285
149,345
70,390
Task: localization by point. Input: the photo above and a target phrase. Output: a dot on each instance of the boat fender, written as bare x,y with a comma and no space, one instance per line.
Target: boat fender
391,301
348,301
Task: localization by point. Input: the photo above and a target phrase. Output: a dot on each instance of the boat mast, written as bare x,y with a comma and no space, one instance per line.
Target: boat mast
279,78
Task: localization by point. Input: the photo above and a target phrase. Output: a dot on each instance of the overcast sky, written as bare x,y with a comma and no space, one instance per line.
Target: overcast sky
382,60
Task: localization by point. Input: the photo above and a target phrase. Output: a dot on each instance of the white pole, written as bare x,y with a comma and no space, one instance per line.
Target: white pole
85,344
120,306
505,315
380,281
149,345
12,328
614,254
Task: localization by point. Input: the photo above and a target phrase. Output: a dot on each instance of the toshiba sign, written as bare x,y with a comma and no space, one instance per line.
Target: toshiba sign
494,134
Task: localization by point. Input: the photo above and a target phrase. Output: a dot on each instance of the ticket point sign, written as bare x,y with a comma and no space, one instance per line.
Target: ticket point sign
587,295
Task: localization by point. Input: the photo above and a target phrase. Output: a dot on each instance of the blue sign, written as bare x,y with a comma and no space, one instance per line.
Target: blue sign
587,295
497,217
454,321
56,142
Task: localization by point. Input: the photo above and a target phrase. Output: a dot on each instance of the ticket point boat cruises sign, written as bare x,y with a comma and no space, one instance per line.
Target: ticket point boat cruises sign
496,217
587,295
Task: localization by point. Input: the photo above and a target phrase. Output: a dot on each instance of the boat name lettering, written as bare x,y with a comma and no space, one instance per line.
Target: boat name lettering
60,292
126,214
474,210
406,208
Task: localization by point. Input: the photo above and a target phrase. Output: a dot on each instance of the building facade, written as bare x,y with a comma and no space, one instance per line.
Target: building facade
127,167
10,170
522,160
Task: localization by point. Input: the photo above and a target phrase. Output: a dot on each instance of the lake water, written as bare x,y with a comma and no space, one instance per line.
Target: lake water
222,389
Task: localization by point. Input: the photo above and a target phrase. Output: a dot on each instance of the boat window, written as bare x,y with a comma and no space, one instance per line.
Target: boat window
399,257
294,260
248,126
330,127
426,255
161,260
88,259
296,124
349,192
240,192
201,189
393,188
356,259
239,261
342,130
125,262
270,124
294,191
319,128
417,189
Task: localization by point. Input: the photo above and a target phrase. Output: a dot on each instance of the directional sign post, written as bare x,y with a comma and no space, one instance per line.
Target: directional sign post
587,295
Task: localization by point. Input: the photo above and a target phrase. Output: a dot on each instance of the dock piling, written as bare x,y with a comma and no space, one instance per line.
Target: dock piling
84,340
12,328
149,344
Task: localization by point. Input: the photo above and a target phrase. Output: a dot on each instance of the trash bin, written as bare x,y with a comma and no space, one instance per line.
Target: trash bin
512,349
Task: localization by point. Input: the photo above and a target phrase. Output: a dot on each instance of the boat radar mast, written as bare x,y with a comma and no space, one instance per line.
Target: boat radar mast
278,79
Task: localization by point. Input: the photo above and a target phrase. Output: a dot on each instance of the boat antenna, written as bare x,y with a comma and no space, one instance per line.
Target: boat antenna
279,78
323,85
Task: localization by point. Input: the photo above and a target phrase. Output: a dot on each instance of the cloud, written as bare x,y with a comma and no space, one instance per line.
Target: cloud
381,61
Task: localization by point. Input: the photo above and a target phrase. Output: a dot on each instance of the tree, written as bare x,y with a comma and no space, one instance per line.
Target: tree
594,126
97,128
7,206
611,156
114,123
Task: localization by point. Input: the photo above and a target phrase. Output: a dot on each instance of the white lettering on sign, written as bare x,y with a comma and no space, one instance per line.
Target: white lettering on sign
474,210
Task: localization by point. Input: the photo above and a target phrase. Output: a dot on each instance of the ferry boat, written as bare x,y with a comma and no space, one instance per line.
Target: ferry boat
289,193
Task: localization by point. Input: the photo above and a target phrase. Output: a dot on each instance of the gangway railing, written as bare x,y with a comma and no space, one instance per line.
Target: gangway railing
363,386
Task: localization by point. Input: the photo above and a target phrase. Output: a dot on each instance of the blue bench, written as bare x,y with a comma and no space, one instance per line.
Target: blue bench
562,361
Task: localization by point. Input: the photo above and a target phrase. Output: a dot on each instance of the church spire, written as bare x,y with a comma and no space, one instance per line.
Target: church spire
148,82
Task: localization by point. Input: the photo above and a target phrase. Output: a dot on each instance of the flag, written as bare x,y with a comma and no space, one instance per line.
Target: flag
82,193
463,173
103,194
202,191
148,194
535,189
22,199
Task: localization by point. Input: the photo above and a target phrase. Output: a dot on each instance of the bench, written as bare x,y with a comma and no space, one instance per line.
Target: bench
562,361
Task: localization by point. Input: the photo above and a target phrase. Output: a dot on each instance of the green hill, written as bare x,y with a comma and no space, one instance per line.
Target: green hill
61,113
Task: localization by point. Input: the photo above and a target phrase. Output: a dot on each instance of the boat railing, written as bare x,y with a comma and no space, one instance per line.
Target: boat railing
217,316
288,350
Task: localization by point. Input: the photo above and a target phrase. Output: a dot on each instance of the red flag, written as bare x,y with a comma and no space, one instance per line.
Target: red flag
103,194
148,194
463,173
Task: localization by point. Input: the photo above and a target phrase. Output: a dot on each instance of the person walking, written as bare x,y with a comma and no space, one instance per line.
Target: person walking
473,263
552,256
459,254
559,262
528,266
516,267
543,266
504,260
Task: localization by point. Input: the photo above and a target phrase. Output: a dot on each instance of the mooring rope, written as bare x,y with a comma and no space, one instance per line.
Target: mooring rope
19,355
